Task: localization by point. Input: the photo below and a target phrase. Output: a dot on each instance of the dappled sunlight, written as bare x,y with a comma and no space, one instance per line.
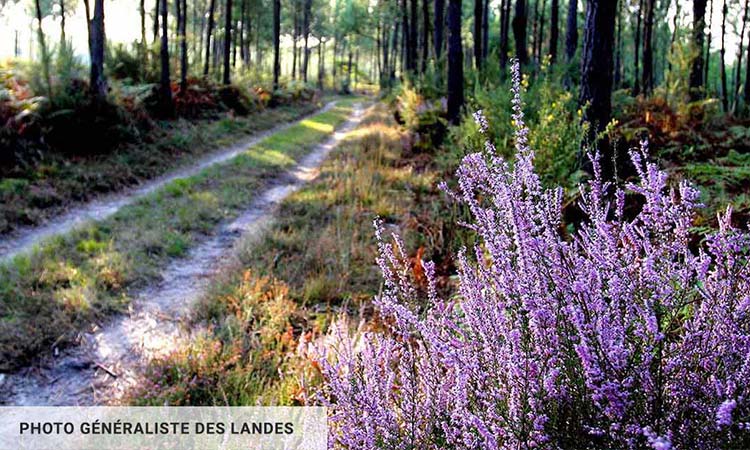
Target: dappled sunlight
318,126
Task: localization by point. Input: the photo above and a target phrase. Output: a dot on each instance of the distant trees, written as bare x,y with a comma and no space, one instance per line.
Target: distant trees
166,107
276,42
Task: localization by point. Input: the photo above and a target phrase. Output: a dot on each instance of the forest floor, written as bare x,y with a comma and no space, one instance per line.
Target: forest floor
155,250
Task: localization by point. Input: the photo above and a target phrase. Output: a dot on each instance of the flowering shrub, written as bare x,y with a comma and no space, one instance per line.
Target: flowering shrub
620,336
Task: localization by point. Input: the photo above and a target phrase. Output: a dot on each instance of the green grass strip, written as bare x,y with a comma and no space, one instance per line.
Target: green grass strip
77,278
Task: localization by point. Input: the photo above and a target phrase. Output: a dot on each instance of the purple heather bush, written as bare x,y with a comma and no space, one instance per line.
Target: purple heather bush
621,335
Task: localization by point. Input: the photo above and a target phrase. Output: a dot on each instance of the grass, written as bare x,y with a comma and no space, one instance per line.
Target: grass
45,189
74,280
316,259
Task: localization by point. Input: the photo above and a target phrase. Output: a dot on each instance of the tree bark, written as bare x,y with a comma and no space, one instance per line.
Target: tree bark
504,31
439,28
540,38
227,42
209,32
478,19
413,35
62,22
43,47
144,45
306,36
485,29
571,31
157,4
746,96
596,77
554,30
637,50
519,31
183,45
648,51
724,93
276,33
165,85
618,48
738,69
707,59
455,62
97,80
425,34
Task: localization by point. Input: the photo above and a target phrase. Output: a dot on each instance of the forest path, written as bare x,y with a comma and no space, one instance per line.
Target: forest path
111,360
24,238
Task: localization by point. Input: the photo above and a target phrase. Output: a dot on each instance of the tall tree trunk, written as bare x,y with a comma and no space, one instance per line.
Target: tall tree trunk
97,80
394,52
485,30
243,26
519,31
648,51
738,68
43,47
596,77
746,96
227,42
165,85
455,62
62,22
295,29
182,23
724,93
637,50
425,34
439,28
540,39
144,46
554,30
618,48
306,36
504,31
209,32
571,31
276,33
478,14
321,63
534,29
707,59
413,35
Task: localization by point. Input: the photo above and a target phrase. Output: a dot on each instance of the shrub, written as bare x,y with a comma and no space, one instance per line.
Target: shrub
617,337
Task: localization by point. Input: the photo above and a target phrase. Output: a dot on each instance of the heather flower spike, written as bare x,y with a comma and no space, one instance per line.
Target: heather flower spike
620,336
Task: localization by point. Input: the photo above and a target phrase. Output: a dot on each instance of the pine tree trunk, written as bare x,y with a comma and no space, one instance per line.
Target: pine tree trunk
227,42
648,51
165,86
534,29
439,28
182,35
618,48
157,5
43,47
554,30
97,79
413,36
746,96
519,31
504,31
295,27
596,77
637,50
209,32
707,59
485,30
306,37
425,34
144,46
738,68
276,42
455,62
540,39
724,93
321,64
571,31
62,22
478,14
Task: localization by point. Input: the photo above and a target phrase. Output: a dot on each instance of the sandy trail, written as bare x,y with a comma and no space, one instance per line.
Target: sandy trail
110,361
25,238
